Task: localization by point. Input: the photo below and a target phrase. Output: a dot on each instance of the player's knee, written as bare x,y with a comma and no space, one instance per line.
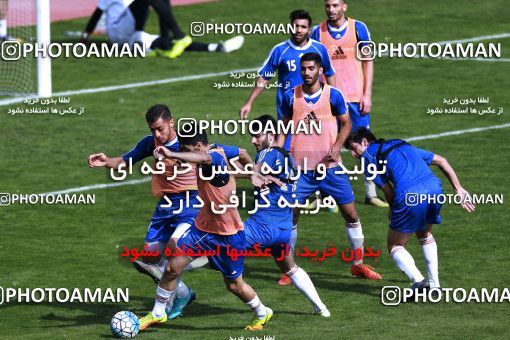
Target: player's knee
233,287
393,246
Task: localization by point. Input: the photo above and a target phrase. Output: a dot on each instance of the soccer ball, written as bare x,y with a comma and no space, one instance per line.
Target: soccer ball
124,325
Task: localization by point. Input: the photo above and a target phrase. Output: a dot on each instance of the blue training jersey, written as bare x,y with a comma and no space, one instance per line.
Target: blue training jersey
274,215
362,33
338,104
145,148
285,58
406,165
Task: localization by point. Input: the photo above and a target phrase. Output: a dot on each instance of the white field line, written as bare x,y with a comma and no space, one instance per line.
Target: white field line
217,74
147,179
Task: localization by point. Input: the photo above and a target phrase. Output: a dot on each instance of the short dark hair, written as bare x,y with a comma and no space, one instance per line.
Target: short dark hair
300,14
358,135
156,112
267,122
310,56
192,135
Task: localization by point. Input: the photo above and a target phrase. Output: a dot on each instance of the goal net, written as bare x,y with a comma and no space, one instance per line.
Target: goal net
27,21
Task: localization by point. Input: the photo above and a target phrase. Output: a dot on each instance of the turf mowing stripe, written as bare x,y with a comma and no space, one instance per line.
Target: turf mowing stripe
217,74
147,179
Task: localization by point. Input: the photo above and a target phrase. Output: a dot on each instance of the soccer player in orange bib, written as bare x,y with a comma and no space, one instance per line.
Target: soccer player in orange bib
212,231
314,101
341,36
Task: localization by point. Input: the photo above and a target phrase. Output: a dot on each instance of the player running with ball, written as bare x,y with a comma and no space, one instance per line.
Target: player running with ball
408,175
165,225
211,230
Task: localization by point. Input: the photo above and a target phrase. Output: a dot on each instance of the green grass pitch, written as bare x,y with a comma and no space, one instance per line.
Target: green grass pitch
78,246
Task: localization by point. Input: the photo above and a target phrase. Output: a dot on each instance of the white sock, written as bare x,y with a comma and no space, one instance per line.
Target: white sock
170,303
429,247
3,28
181,290
405,262
302,282
369,188
212,47
162,298
257,307
356,238
293,239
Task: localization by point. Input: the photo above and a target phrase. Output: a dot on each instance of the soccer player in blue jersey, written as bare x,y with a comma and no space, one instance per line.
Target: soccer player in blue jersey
212,231
284,59
314,101
354,77
165,226
271,227
406,180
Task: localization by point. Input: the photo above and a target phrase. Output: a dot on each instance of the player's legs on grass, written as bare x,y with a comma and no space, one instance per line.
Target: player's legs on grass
302,282
246,294
406,220
339,187
305,186
429,248
278,240
403,259
165,291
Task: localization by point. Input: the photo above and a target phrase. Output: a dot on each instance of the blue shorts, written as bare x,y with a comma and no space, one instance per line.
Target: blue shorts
230,268
334,185
164,221
358,120
409,217
268,236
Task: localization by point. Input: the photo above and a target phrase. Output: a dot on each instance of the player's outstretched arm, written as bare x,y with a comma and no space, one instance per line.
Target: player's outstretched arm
190,157
448,171
244,157
98,160
260,85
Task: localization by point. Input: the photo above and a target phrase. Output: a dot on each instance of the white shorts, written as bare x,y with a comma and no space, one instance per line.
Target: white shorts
122,28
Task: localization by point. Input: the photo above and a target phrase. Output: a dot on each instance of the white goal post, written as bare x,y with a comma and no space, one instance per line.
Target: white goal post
43,39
